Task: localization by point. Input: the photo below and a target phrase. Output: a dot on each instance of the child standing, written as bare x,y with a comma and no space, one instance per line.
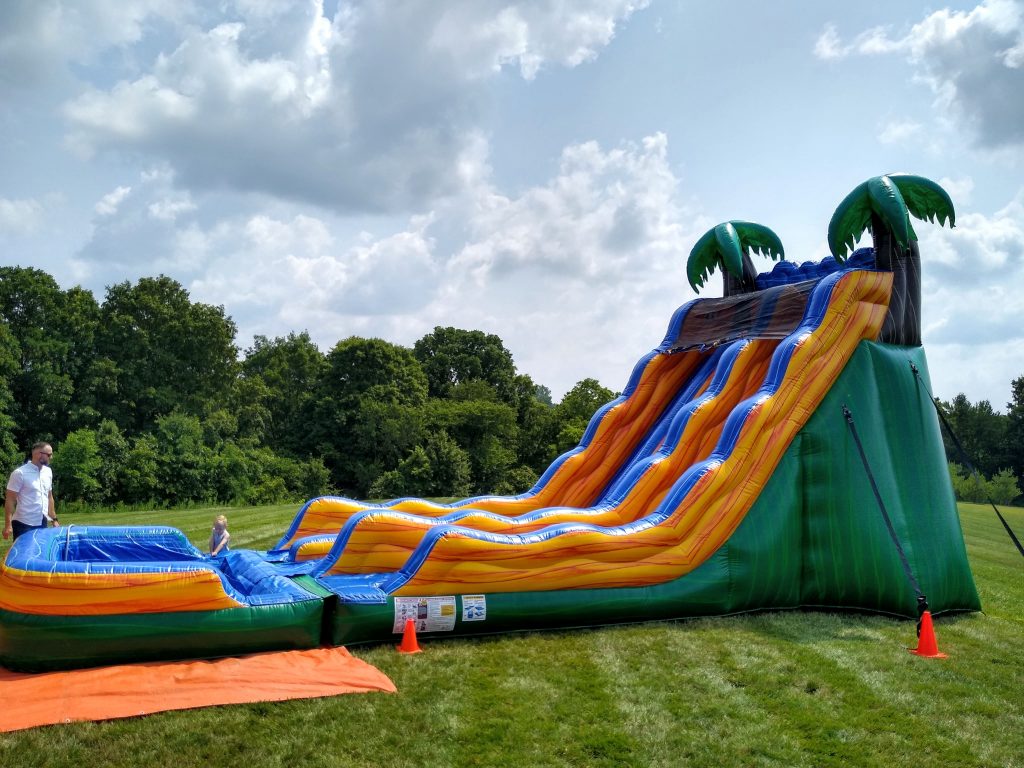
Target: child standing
219,536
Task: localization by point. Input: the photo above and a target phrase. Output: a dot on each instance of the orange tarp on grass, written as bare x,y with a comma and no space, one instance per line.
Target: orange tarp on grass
129,690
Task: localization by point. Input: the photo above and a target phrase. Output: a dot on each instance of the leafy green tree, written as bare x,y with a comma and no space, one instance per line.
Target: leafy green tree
582,401
542,394
9,453
967,486
486,431
1014,436
453,356
576,410
185,464
450,466
884,205
538,436
113,448
32,306
437,468
312,479
290,369
982,433
167,352
140,476
728,246
219,427
76,467
248,403
1003,487
368,411
78,324
517,480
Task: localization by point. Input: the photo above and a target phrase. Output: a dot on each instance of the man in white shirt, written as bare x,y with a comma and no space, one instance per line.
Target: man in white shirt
29,501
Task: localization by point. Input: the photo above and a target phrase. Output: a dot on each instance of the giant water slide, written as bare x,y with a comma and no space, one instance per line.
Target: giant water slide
723,480
670,511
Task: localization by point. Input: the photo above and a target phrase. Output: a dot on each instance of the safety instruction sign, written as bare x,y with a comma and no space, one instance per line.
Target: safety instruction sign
431,614
474,608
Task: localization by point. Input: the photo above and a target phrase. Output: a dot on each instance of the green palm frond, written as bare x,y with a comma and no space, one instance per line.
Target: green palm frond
851,218
886,200
730,248
760,239
724,244
925,199
893,198
703,260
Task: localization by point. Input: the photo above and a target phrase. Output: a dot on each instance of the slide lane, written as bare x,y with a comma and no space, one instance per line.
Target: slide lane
376,541
701,508
577,478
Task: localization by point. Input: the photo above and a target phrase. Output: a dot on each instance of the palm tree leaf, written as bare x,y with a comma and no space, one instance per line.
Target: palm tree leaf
731,248
703,260
925,199
888,203
851,218
760,239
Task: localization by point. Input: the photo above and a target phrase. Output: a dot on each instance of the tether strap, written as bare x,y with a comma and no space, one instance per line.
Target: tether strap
922,601
967,460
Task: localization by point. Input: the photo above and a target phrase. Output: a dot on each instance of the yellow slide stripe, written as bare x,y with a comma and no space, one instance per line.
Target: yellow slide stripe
80,594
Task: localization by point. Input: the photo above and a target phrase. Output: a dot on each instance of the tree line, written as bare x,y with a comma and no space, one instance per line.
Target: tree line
992,442
146,399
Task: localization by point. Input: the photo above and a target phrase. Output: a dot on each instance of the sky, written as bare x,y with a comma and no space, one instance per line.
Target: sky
535,170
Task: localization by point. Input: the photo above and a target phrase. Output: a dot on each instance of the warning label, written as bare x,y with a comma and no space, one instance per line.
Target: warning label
431,614
474,608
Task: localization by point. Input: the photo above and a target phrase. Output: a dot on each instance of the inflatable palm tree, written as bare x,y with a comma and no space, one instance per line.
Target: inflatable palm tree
884,205
728,245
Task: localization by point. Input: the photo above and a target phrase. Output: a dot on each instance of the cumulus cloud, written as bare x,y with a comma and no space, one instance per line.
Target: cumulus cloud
20,217
587,265
981,249
374,108
108,204
900,131
39,38
136,231
972,302
973,61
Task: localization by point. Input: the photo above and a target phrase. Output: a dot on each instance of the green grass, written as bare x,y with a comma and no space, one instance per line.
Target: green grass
780,689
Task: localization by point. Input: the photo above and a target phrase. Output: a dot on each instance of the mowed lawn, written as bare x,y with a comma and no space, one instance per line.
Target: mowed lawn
782,689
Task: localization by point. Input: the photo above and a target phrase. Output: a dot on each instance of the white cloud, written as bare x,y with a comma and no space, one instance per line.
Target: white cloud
136,231
38,38
108,204
589,265
20,217
374,109
972,305
170,208
972,61
900,131
829,46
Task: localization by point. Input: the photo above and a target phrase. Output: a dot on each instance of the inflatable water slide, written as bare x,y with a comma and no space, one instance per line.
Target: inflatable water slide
727,477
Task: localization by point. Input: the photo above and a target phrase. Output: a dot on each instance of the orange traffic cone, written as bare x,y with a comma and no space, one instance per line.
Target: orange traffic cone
409,644
926,645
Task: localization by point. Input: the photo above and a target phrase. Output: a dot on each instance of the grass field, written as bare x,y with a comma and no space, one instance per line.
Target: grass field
781,689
